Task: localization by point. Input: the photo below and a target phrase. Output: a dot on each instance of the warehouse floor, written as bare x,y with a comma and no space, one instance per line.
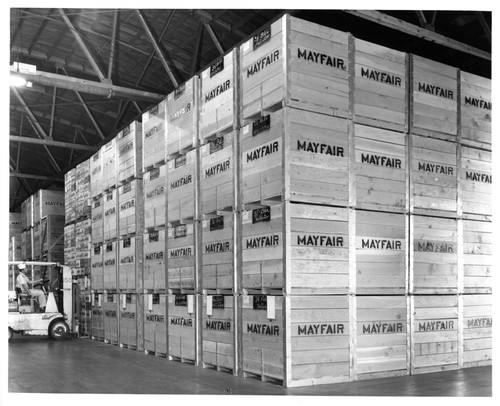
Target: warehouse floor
42,365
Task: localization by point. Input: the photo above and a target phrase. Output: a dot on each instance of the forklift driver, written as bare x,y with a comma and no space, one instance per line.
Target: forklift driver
23,283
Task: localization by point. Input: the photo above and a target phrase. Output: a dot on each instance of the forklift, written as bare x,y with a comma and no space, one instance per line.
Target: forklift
24,315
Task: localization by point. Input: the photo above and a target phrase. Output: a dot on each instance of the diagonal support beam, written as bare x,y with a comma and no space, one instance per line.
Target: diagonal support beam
157,48
113,43
214,38
84,48
197,50
52,143
411,29
30,114
421,18
26,185
37,177
484,24
52,160
52,113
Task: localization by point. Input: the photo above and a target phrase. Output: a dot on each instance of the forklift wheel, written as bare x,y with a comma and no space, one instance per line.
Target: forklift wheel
59,330
11,333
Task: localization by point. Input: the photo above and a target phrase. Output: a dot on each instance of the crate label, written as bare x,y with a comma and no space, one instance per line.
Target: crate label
322,59
218,301
182,181
153,236
380,76
217,168
190,303
259,302
181,252
379,243
263,63
246,129
261,215
154,110
320,148
208,303
154,256
155,318
260,125
126,148
156,298
127,242
153,130
217,223
320,240
97,265
271,307
217,91
180,231
435,90
127,129
180,161
480,322
109,247
181,300
155,193
217,67
321,329
476,102
478,177
128,297
436,325
379,160
110,298
127,187
261,38
383,328
97,217
179,91
97,250
127,205
97,203
127,260
217,144
435,168
217,247
263,329
262,151
181,321
435,246
217,325
181,112
110,211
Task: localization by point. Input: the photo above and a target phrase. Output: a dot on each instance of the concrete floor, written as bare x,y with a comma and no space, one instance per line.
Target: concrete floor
77,366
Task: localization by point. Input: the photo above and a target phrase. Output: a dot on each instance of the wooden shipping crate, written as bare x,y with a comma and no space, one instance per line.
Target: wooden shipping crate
69,180
217,174
434,247
475,110
434,333
15,249
219,86
295,155
37,240
98,219
181,328
476,180
83,197
110,225
97,267
153,137
29,244
477,256
381,252
129,319
83,241
131,208
181,180
110,310
27,213
155,200
295,63
84,316
316,248
70,206
130,263
433,176
154,260
47,203
381,338
129,151
380,169
380,86
181,258
155,324
109,165
217,332
96,174
477,330
97,332
434,99
52,234
23,245
182,117
110,257
217,254
15,224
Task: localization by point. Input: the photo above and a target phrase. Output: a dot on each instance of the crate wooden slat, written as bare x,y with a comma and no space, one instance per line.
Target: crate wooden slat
181,258
52,236
97,219
155,323
29,243
295,63
96,174
477,330
217,175
47,203
181,328
110,310
218,85
153,136
129,151
155,200
380,86
110,164
110,257
97,331
69,245
217,332
434,333
182,116
154,260
380,169
83,196
130,264
477,256
27,213
434,99
380,253
435,255
131,208
217,253
97,267
295,155
181,178
381,340
476,183
434,176
110,215
83,244
475,110
128,319
37,240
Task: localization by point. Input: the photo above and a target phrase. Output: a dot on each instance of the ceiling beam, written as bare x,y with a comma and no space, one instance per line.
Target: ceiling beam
411,29
41,27
30,114
52,143
421,18
197,50
52,113
88,86
157,48
484,24
52,160
214,38
37,177
206,16
113,43
26,186
84,48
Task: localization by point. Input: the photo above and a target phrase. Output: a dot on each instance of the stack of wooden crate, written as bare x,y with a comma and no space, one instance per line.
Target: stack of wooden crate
15,231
